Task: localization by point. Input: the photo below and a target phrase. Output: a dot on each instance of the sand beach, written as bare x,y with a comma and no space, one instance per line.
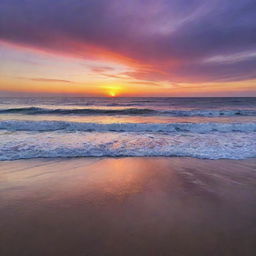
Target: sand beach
127,206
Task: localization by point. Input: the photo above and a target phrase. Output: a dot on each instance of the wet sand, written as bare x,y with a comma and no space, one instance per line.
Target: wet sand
128,206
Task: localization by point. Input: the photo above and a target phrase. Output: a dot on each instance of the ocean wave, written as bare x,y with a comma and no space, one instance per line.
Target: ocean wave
40,126
27,145
127,111
76,111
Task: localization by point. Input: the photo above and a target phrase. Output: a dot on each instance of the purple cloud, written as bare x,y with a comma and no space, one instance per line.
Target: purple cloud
176,38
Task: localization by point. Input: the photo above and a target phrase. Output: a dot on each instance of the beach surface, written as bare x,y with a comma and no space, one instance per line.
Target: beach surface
127,206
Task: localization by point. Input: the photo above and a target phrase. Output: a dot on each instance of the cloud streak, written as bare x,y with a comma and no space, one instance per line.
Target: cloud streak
49,80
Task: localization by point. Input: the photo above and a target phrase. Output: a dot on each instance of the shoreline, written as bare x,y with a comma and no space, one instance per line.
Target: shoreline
128,206
123,157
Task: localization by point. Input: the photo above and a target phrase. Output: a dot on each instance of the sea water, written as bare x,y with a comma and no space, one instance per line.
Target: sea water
210,128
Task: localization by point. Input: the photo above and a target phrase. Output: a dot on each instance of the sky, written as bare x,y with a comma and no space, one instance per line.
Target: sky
128,47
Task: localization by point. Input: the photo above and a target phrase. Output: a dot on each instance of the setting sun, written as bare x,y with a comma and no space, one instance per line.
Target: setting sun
112,90
112,94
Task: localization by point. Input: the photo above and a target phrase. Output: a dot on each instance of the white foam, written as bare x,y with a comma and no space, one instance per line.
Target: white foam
25,145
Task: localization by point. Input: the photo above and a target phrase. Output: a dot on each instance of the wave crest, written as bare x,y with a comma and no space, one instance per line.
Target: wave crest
127,111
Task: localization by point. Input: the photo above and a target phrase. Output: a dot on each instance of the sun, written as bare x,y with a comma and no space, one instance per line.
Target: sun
112,90
112,94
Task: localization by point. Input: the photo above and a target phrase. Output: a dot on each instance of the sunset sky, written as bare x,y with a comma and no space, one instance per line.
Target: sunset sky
128,47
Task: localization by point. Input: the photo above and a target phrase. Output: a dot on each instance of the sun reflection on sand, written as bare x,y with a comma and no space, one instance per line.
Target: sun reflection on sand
115,179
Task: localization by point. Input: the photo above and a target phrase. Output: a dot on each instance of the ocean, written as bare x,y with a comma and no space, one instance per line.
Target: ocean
209,128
